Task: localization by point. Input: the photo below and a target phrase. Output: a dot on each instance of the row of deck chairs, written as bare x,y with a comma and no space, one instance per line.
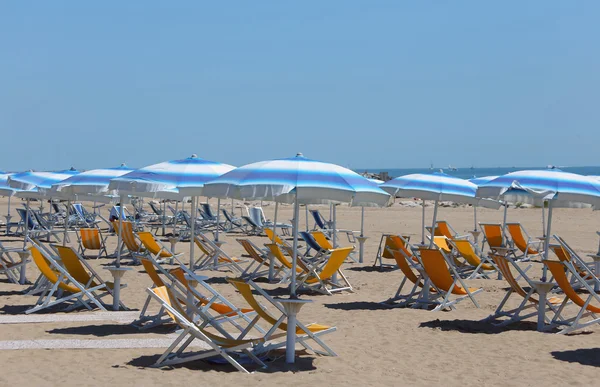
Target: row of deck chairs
233,333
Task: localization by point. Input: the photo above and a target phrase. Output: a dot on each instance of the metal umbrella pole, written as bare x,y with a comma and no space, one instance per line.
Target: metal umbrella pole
66,222
435,208
423,224
271,257
193,230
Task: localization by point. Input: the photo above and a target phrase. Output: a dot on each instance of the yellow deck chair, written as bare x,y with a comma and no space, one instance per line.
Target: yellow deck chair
129,239
220,345
529,301
445,279
303,332
564,256
214,257
523,241
321,279
278,240
467,251
559,271
92,239
275,249
404,260
259,260
322,240
493,235
58,278
389,242
154,247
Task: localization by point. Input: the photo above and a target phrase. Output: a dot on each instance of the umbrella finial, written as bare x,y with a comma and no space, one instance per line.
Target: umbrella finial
299,154
123,165
194,156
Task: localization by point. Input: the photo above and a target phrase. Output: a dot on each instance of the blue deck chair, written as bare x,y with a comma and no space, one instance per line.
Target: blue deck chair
322,224
233,222
311,244
258,216
84,215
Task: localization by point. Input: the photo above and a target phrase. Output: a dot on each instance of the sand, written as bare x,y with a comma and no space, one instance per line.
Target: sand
376,345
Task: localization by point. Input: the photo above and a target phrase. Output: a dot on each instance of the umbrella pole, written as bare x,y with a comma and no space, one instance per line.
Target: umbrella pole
306,211
423,224
475,218
8,214
120,239
271,257
334,227
26,223
176,215
164,209
193,235
294,249
547,240
362,221
505,213
218,211
543,217
66,223
433,224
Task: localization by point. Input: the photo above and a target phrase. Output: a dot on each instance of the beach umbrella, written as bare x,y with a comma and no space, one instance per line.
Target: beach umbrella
37,185
297,180
6,190
555,186
92,182
436,186
174,179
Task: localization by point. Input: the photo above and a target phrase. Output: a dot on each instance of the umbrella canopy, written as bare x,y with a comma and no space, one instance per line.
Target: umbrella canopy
5,189
37,184
171,179
482,180
297,178
552,185
435,186
92,182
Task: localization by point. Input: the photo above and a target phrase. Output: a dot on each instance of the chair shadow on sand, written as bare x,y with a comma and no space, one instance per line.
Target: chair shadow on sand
275,362
584,356
103,330
371,269
358,305
478,327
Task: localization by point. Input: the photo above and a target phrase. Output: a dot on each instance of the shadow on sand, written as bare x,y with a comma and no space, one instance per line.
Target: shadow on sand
358,305
584,356
112,329
474,326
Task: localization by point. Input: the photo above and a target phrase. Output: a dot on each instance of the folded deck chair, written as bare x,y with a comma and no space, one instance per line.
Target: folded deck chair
324,277
60,286
528,301
10,265
304,333
225,347
386,243
130,240
157,249
481,267
92,239
445,279
587,314
529,247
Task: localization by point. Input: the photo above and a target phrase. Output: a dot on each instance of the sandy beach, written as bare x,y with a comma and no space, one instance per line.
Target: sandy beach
376,345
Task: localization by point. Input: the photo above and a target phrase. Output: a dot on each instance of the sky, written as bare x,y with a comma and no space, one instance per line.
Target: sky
363,84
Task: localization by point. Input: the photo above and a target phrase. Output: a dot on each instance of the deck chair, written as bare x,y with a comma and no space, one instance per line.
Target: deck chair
233,222
58,283
92,239
585,268
529,247
504,264
559,271
10,266
445,279
222,346
304,333
83,273
179,285
493,235
130,240
443,228
278,240
322,224
406,260
312,244
213,257
85,217
157,249
386,243
252,228
322,240
286,265
322,277
260,260
481,267
258,216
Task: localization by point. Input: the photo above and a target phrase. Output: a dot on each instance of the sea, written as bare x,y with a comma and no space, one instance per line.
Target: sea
472,172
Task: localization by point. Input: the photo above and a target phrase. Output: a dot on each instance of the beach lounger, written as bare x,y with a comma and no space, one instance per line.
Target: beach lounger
529,247
233,222
130,241
386,243
157,249
222,346
215,257
258,216
252,228
261,260
304,333
445,279
504,264
493,235
443,228
92,239
286,264
324,277
587,314
59,283
481,267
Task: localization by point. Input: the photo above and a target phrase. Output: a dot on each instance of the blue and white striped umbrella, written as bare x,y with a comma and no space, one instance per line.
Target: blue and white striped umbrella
482,180
552,185
308,181
92,182
5,189
37,184
170,179
435,186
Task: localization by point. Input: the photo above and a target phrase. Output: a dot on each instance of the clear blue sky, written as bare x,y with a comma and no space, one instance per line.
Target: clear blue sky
389,84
